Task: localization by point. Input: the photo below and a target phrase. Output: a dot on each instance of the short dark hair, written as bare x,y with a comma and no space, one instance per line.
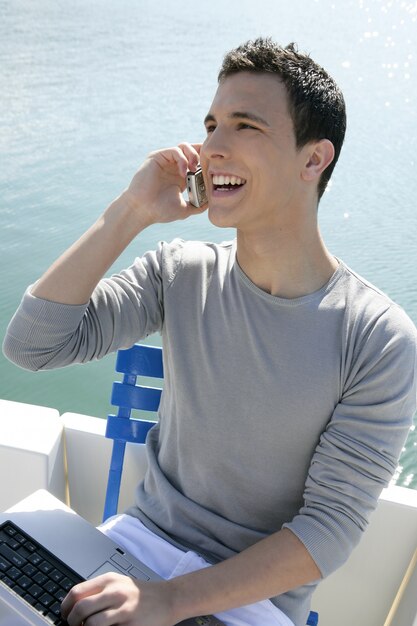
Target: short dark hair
316,103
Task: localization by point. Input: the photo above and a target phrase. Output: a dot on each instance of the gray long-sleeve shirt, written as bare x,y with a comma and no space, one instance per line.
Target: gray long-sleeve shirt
275,412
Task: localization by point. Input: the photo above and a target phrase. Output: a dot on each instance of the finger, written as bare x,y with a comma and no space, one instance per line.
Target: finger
87,607
172,156
77,593
104,618
192,154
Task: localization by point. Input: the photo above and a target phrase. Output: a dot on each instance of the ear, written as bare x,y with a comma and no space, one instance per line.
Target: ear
319,155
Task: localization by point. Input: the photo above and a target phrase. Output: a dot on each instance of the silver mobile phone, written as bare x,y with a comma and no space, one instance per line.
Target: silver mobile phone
196,188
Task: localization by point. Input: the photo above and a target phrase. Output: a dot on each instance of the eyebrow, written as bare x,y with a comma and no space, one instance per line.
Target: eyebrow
239,115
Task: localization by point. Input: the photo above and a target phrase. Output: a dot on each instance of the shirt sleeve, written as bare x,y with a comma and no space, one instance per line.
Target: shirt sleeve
358,452
122,310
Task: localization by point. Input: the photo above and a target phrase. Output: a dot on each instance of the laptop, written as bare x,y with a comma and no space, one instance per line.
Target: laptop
78,544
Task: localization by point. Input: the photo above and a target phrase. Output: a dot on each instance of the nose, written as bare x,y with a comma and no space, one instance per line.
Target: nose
216,145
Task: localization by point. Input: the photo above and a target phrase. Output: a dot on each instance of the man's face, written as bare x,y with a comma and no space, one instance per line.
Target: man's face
249,158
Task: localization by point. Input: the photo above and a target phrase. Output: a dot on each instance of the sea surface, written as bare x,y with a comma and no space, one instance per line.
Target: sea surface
89,87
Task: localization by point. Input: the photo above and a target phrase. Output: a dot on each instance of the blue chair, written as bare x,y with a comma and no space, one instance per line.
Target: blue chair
145,361
139,360
313,619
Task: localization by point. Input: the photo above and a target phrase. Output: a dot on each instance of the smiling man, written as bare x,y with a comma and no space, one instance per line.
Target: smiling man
250,136
290,380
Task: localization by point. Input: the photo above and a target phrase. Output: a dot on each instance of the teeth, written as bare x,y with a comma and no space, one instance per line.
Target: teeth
227,180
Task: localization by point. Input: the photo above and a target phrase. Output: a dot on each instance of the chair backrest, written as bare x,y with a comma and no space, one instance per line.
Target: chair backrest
313,619
139,360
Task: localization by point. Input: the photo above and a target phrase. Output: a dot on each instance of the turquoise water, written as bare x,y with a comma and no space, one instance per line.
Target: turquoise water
89,87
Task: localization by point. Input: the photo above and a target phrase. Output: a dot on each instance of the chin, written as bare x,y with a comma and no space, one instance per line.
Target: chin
220,219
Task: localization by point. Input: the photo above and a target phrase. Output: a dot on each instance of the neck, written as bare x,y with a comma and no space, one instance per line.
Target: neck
287,263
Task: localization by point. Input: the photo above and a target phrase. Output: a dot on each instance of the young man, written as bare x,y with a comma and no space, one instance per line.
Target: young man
290,381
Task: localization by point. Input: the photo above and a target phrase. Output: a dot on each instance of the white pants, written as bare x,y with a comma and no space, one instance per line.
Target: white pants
169,562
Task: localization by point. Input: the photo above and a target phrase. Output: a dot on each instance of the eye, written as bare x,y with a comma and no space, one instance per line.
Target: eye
210,128
245,126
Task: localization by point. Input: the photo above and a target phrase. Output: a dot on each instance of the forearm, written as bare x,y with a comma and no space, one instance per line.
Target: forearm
153,196
269,568
73,277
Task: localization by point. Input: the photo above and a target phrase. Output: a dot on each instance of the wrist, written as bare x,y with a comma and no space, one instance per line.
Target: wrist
127,216
180,603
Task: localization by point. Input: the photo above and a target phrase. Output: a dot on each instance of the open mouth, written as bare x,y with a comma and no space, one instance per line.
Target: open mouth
227,183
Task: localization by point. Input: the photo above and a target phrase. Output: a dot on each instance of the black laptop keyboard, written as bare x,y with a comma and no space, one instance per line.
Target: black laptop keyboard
34,573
